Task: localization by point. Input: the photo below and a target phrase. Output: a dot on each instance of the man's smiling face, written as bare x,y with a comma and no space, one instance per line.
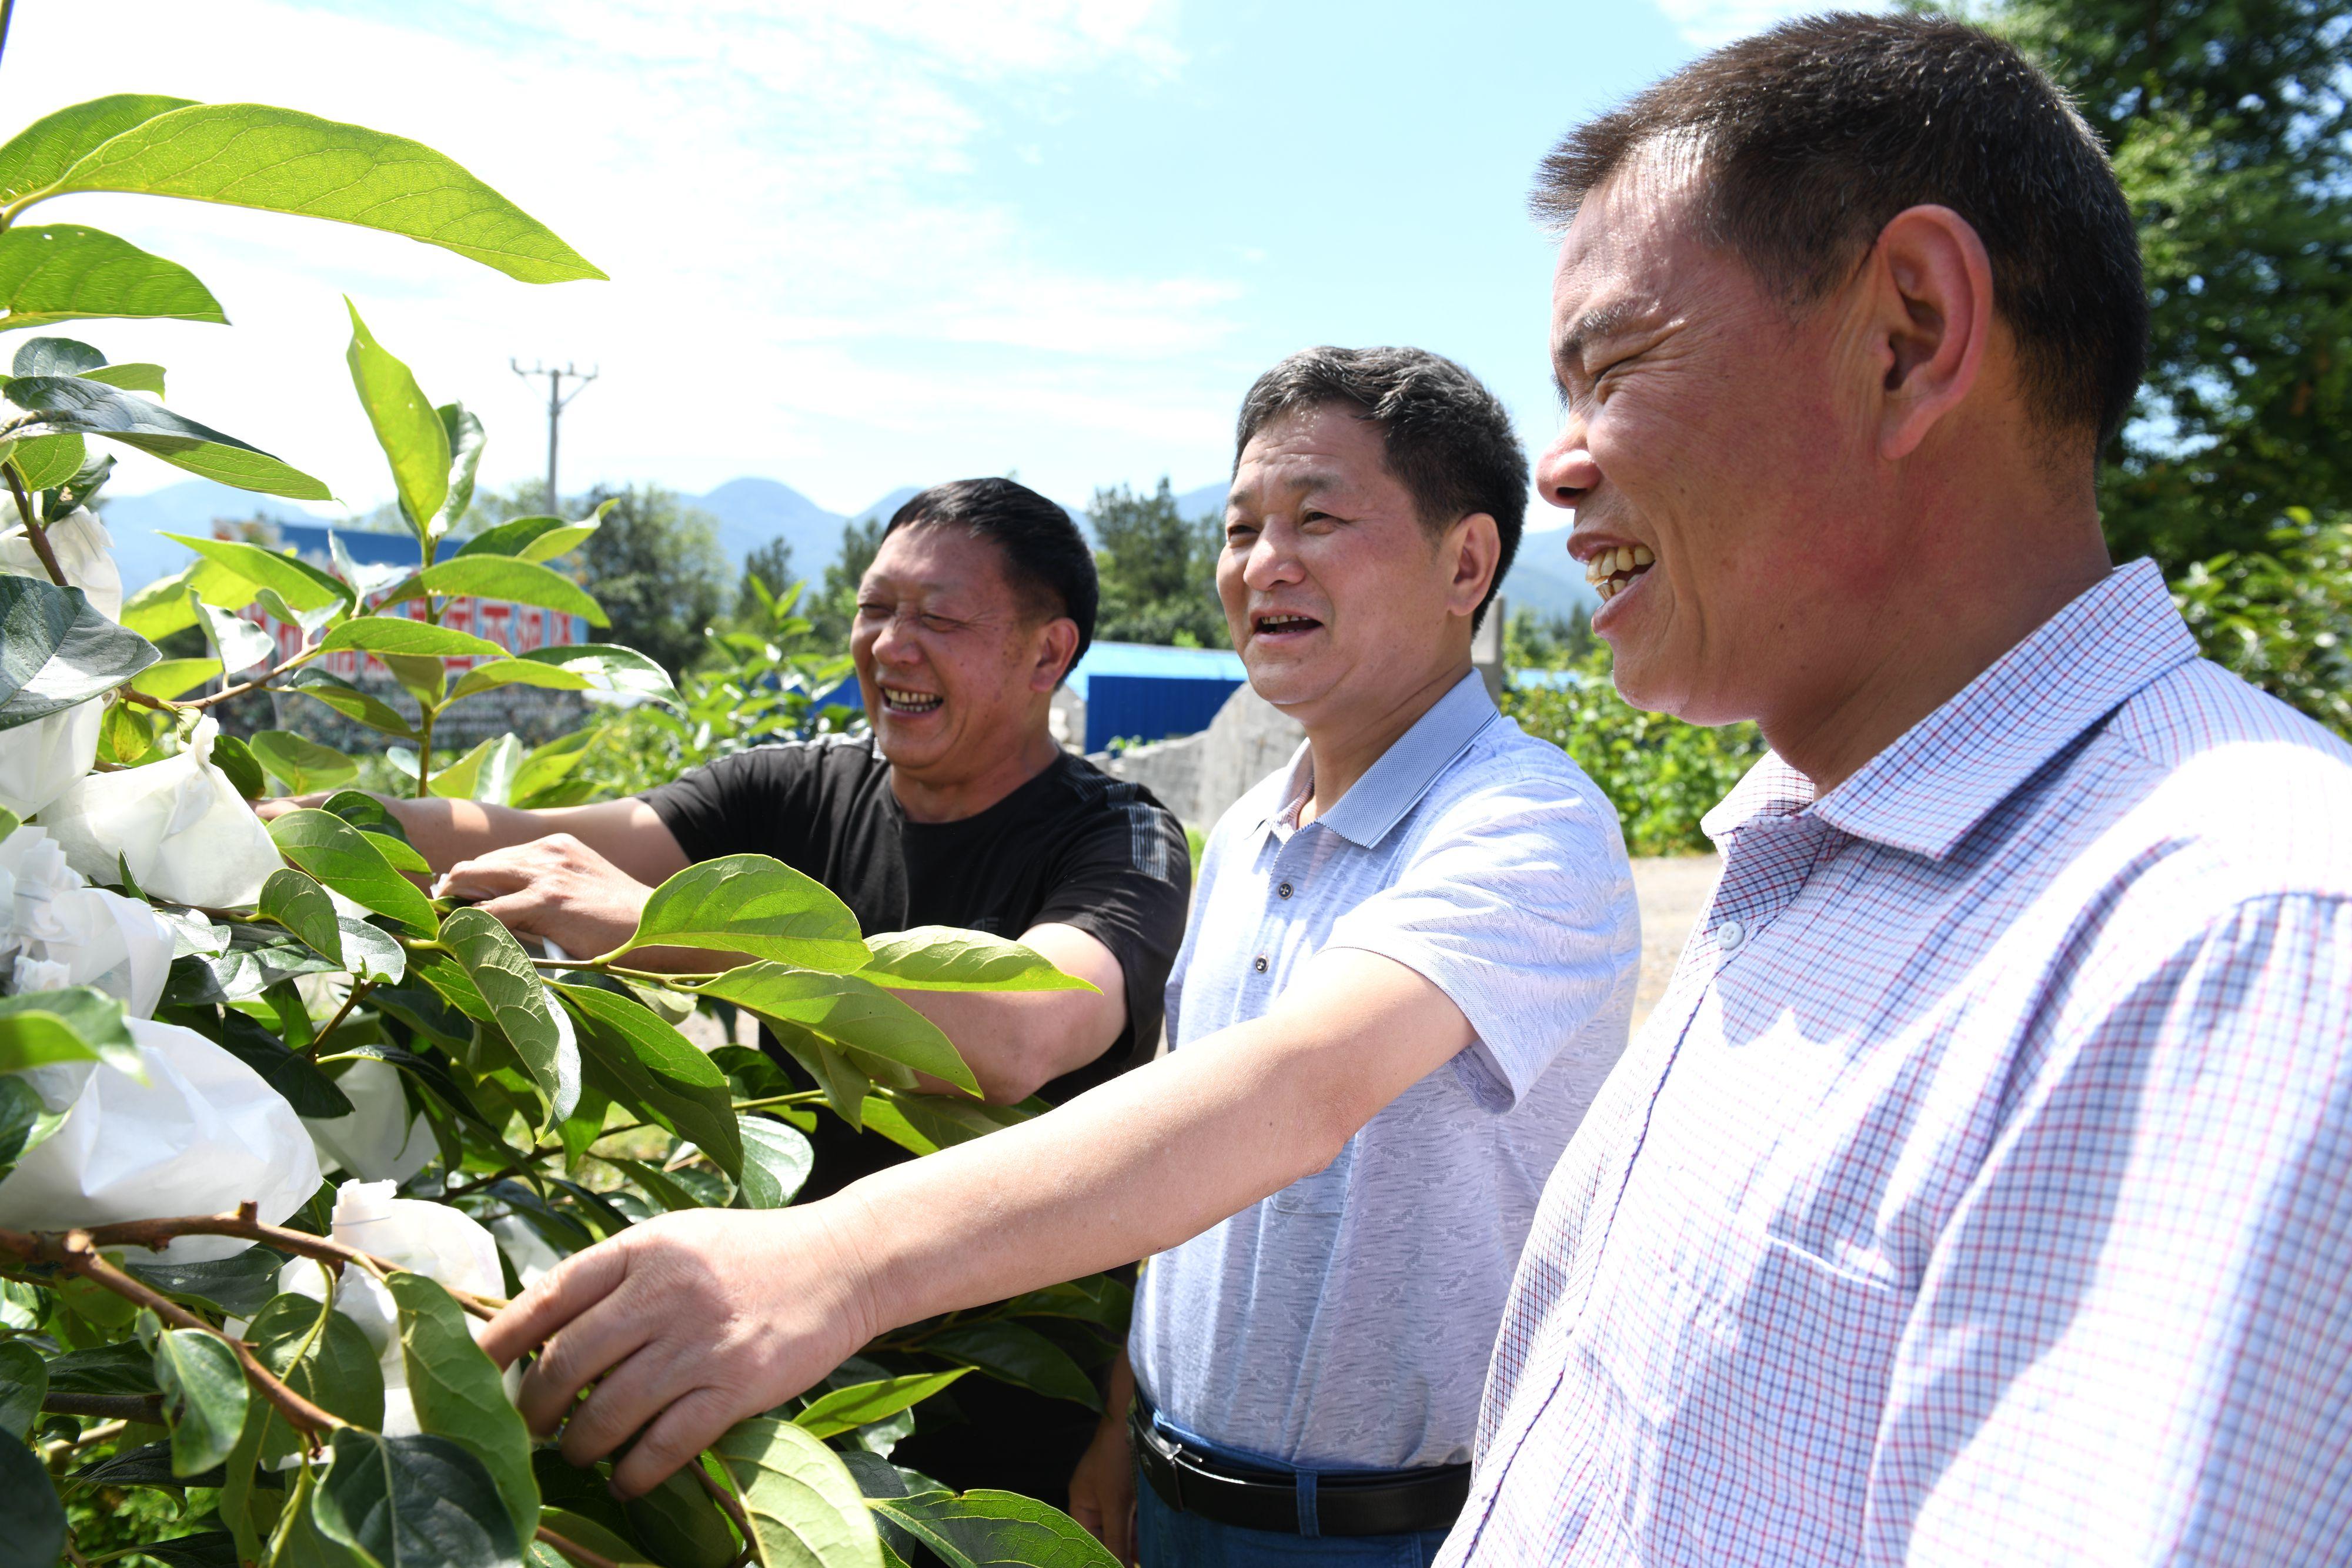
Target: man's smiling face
1713,463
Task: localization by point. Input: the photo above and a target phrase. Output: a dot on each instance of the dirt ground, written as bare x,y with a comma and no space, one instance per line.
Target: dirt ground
1673,891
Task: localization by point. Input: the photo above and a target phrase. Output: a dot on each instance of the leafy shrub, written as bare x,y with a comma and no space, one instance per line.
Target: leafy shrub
2282,618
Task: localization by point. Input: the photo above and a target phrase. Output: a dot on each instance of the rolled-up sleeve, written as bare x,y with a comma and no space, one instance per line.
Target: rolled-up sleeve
1517,903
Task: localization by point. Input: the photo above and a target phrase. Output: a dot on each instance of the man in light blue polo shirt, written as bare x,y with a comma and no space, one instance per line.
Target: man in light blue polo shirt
1408,969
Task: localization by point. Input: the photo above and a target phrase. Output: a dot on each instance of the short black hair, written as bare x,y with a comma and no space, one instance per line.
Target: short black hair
1447,438
1046,557
1812,136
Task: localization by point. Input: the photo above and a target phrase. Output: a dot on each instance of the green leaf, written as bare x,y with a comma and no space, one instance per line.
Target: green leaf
535,538
501,577
637,1061
160,608
279,160
44,462
295,1076
32,1519
982,1528
67,273
466,440
298,582
337,854
240,1284
398,634
169,678
585,1532
423,677
54,357
847,1087
206,1548
94,408
585,666
301,764
39,155
125,735
235,759
752,904
413,1502
944,958
777,1160
339,1370
137,376
302,907
654,1184
402,856
56,650
23,1383
204,1397
802,1503
846,1409
237,644
485,773
925,1123
351,701
407,427
503,972
79,1023
846,1011
1021,1356
457,1394
680,1525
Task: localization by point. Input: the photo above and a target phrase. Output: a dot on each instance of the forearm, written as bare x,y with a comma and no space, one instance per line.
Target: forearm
447,831
628,833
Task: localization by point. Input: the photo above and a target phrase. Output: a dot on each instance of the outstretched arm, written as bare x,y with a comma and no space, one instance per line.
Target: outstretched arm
692,1321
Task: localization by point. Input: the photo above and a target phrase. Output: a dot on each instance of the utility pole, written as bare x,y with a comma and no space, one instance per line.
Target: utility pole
557,401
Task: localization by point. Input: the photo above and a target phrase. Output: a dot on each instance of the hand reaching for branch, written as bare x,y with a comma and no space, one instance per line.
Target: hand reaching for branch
556,888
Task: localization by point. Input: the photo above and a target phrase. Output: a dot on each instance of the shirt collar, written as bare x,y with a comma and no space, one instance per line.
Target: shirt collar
1395,784
1924,793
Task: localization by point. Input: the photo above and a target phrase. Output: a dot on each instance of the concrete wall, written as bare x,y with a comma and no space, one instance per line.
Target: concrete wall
1198,775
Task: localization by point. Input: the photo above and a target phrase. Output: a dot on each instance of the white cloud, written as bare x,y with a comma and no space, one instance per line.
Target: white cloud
803,269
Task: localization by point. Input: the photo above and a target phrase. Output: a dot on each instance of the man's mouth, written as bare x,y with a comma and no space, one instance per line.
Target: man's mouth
897,699
1611,571
1282,624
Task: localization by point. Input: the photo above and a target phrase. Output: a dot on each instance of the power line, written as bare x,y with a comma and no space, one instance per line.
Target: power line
557,401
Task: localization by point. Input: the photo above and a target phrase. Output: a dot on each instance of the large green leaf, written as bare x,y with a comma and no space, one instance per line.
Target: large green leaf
846,1011
337,854
398,634
32,1519
63,272
925,1123
803,1505
1018,1355
301,764
944,958
45,462
298,904
407,427
777,1160
338,1370
586,1533
536,539
413,1502
161,608
301,1081
169,678
38,155
510,984
485,773
752,904
637,1060
502,577
54,357
457,1394
981,1528
56,650
585,666
23,1383
351,701
861,1404
204,1396
94,408
297,582
279,160
237,643
240,1284
137,376
680,1525
78,1023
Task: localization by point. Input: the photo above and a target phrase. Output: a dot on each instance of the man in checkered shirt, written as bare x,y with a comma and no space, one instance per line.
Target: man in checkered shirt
1981,1192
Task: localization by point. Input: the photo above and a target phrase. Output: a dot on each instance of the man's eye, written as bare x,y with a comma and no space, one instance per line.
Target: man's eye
940,624
873,612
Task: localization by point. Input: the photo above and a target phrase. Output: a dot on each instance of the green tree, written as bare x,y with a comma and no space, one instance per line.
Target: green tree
1537,641
655,566
835,603
772,564
2228,124
1158,571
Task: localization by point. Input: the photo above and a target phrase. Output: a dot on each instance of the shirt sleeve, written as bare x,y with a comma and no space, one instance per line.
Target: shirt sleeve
2130,1345
1125,881
1518,905
736,805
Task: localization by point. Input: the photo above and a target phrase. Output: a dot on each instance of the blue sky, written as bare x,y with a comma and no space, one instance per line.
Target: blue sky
856,244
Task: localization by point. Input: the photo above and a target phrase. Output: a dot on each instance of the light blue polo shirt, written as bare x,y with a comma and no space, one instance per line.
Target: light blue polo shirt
1346,1321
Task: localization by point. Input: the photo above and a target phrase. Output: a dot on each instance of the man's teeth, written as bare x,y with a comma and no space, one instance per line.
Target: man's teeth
911,702
1279,622
1612,569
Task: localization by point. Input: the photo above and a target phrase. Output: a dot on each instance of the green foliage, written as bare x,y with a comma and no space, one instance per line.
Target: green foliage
1660,774
766,571
1157,570
1537,641
835,604
2281,617
658,571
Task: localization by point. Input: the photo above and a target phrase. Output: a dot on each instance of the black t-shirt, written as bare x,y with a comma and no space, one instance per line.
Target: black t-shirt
1072,845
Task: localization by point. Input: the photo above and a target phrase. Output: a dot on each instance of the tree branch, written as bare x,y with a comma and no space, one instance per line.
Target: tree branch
574,1550
726,1501
33,531
147,1407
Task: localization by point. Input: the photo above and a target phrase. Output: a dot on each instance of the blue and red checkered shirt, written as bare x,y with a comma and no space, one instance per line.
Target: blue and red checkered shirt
1981,1191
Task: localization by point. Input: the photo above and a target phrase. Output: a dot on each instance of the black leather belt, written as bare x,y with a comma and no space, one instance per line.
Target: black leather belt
1391,1502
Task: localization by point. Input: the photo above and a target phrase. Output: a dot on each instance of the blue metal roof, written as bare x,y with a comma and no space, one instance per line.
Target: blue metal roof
1150,661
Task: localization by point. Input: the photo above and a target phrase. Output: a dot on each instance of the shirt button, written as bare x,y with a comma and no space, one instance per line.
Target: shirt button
1260,965
1730,934
1283,892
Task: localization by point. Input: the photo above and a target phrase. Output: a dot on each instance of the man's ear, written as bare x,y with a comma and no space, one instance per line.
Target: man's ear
1474,546
1929,299
1056,646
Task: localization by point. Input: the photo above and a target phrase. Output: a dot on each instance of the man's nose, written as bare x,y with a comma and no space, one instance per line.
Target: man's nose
1566,472
895,642
1271,563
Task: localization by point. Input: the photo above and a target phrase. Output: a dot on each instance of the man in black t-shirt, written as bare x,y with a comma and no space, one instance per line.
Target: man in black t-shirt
958,810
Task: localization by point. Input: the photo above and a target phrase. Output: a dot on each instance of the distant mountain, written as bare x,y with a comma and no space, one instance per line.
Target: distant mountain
1207,501
190,506
752,512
